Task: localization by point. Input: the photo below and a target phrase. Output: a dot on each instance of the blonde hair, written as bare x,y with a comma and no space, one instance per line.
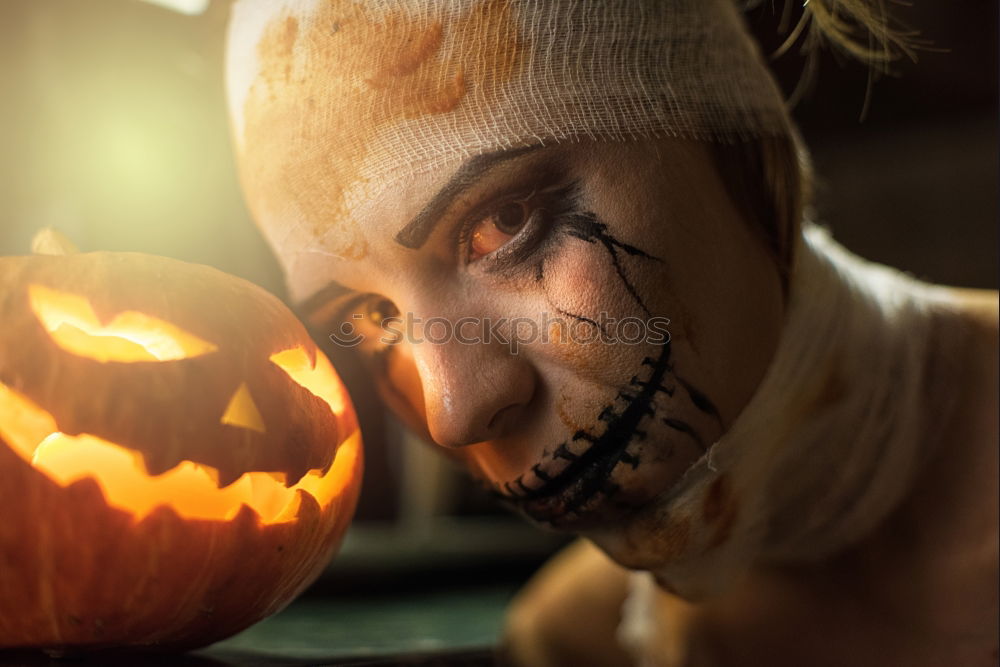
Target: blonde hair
770,177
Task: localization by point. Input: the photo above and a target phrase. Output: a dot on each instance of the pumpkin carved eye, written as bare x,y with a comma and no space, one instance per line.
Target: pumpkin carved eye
318,378
131,336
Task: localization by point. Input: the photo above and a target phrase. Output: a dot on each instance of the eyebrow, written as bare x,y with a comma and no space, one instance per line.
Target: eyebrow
417,230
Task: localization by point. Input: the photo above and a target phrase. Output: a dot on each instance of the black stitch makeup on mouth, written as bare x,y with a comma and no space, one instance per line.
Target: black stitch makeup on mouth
590,471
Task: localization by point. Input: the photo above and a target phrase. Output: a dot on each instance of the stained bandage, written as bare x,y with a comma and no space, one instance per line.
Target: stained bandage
831,440
334,101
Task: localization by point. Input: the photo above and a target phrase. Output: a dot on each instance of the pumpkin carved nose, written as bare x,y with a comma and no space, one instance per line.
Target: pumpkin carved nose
242,411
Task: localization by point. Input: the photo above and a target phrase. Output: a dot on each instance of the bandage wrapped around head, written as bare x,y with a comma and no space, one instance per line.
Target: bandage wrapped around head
334,101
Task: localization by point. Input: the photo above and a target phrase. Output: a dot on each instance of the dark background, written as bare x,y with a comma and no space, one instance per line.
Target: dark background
914,184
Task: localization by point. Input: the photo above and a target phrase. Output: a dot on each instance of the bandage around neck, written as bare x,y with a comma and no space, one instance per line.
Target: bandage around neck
831,439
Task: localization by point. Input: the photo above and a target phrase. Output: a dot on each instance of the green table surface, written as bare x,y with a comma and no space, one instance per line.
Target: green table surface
318,629
452,627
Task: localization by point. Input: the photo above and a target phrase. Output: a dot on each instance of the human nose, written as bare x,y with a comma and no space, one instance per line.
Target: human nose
472,391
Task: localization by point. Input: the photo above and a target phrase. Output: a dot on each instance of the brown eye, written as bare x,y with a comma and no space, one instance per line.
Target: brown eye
495,230
379,309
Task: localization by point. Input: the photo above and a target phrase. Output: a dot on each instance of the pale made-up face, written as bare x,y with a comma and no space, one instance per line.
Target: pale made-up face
578,322
604,313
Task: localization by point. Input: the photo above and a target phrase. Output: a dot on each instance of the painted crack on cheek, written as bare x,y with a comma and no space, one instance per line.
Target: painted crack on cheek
579,477
587,227
557,330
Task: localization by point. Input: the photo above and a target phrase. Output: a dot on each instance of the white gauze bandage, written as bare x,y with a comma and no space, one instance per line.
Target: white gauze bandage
334,101
831,440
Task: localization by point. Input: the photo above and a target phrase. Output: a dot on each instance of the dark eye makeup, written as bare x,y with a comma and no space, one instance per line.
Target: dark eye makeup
527,220
523,222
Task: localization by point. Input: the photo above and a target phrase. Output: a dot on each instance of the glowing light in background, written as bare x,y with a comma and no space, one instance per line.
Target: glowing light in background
118,135
191,7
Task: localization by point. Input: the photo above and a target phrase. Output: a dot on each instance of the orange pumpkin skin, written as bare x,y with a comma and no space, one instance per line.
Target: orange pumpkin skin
80,568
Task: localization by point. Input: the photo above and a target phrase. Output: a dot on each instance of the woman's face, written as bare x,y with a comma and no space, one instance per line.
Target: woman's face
576,323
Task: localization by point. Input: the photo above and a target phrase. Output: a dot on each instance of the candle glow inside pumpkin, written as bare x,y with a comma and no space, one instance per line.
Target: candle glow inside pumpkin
190,489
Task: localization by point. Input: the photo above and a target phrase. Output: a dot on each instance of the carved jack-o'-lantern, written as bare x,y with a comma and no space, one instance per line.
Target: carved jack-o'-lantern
177,459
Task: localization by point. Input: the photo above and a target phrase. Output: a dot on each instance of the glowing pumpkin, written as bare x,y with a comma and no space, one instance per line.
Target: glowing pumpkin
177,459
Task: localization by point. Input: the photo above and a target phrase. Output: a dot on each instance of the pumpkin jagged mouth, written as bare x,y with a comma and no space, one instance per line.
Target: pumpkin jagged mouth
190,489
